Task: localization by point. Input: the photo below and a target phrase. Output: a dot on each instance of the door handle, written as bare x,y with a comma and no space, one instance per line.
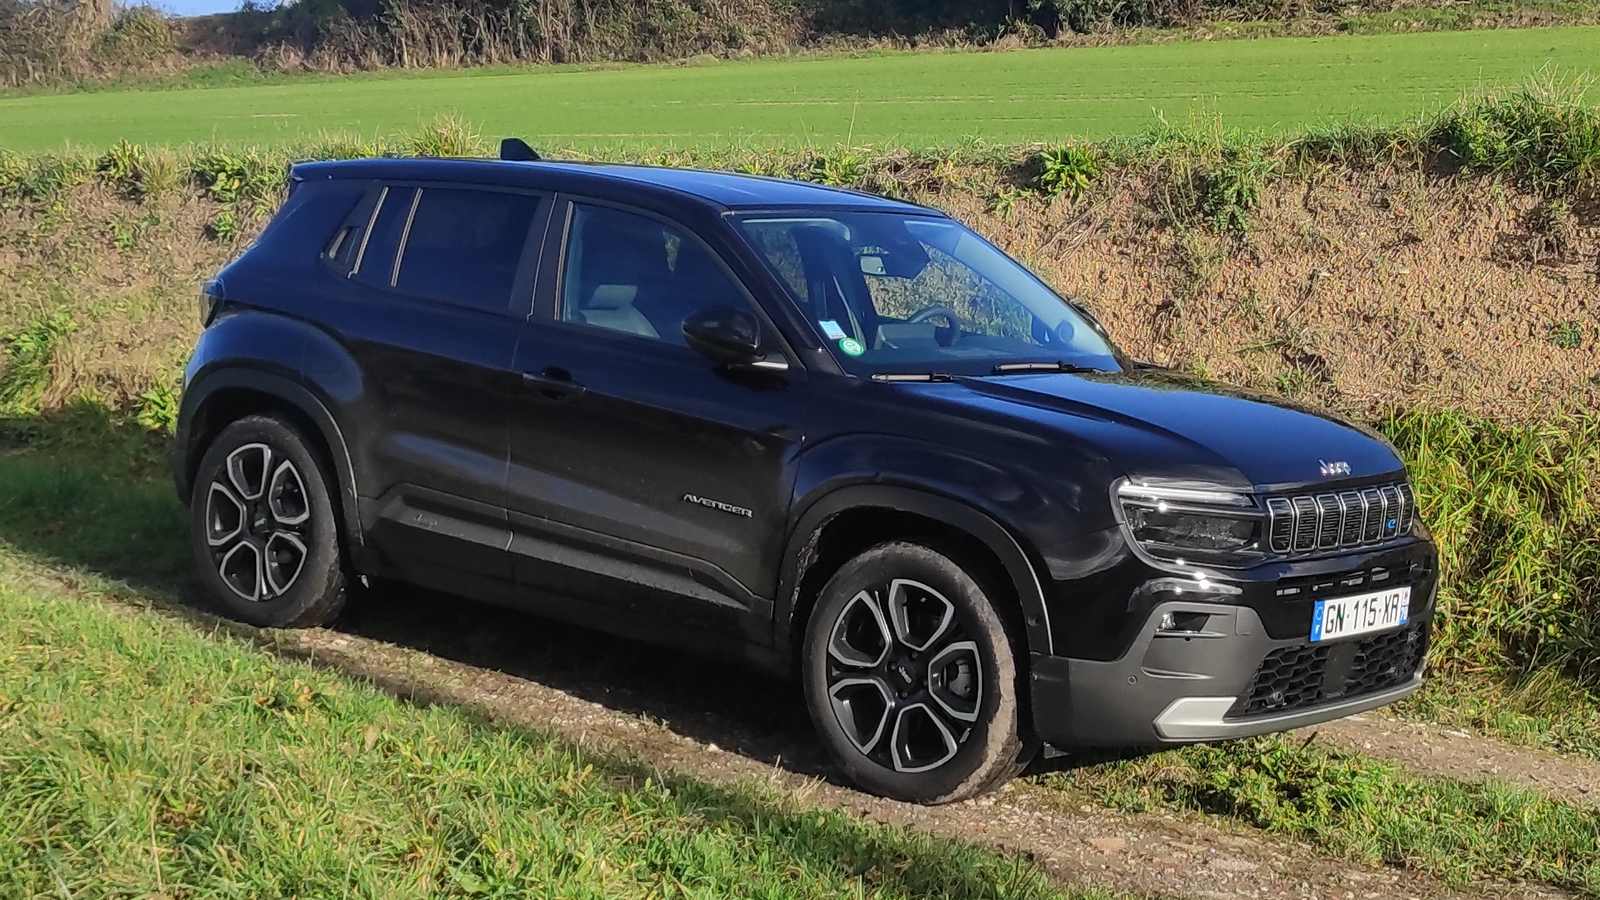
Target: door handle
554,383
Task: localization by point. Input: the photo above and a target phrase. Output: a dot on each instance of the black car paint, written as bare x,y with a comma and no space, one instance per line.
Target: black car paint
518,458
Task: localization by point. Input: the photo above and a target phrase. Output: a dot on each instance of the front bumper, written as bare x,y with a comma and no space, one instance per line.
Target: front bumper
1231,679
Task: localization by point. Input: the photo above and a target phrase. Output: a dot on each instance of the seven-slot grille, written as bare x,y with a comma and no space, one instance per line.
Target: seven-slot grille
1337,519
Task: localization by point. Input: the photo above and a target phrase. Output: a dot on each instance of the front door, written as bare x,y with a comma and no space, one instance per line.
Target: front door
643,476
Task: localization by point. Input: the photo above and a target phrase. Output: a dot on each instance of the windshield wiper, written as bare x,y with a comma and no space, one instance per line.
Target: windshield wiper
1070,368
913,376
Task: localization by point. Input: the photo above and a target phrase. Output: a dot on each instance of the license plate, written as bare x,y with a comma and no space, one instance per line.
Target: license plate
1346,616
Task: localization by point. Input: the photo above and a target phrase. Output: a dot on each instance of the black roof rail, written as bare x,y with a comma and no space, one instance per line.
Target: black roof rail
517,149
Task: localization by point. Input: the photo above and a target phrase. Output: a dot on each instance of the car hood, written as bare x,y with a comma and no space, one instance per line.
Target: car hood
1160,424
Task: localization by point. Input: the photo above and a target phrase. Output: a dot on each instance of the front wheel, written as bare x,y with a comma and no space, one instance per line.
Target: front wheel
263,528
910,677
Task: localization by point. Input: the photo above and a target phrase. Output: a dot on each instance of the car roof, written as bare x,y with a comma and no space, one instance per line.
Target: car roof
726,190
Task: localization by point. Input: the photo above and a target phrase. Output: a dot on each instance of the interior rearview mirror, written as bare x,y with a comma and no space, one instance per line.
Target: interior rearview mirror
731,337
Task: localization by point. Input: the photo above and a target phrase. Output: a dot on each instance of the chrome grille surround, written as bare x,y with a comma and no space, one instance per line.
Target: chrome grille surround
1304,523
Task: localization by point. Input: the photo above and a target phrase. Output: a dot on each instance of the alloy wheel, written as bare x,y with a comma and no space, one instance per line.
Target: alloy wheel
258,520
904,679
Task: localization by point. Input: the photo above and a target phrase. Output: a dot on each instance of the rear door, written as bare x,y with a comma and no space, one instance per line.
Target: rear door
439,277
641,473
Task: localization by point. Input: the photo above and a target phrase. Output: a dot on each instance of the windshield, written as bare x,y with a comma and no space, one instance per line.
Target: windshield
894,293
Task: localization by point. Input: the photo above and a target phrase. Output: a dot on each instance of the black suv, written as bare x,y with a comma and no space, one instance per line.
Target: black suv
832,434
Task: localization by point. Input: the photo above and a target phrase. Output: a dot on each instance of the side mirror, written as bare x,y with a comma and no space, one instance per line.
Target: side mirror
731,337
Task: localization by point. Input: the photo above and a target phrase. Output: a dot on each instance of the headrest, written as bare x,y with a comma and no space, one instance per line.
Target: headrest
612,296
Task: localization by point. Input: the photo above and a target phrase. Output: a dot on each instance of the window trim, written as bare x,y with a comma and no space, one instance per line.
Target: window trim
549,314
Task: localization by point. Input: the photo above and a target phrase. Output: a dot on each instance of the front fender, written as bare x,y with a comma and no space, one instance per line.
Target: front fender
924,479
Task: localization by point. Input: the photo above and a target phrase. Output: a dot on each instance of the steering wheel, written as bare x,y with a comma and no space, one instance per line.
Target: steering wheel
934,312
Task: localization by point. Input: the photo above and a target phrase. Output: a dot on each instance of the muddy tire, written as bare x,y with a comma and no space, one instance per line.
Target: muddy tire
911,679
263,527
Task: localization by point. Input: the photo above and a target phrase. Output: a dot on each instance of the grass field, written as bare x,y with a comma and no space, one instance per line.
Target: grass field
140,756
916,100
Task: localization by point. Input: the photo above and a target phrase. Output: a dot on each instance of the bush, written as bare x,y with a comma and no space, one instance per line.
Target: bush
235,177
1545,133
134,172
1516,510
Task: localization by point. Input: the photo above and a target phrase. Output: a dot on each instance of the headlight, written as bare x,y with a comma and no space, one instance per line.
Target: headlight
1192,523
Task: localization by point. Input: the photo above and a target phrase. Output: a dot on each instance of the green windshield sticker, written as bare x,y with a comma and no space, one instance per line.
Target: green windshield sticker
851,347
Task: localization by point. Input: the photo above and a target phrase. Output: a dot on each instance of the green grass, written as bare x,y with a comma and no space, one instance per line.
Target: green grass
910,99
1361,808
1544,711
140,756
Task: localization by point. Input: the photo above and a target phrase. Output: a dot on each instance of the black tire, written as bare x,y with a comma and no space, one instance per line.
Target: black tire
281,566
921,691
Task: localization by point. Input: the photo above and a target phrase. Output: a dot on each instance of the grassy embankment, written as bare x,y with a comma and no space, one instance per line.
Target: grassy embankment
1507,482
914,100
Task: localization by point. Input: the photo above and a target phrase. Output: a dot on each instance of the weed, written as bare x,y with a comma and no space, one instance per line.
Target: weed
41,177
843,168
1296,382
1567,335
1228,191
448,135
1070,169
122,168
128,231
224,226
234,177
1004,202
28,355
158,408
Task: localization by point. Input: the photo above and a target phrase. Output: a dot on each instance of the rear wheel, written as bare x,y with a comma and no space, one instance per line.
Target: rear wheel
263,531
910,677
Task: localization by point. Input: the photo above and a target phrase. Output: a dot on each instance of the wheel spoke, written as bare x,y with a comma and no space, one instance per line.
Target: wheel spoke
920,614
283,558
860,637
862,707
955,680
225,520
286,496
920,741
241,574
249,468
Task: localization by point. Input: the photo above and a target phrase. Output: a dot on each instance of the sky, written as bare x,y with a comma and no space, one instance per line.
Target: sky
197,7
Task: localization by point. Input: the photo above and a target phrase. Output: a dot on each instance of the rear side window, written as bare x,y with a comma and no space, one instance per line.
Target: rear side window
375,252
464,246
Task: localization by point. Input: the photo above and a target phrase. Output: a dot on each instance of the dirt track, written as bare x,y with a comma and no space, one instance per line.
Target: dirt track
718,724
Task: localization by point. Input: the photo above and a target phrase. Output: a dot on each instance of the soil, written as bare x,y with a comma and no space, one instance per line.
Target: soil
720,724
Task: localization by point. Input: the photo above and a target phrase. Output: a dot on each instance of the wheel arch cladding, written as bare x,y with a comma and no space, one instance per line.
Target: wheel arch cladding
227,395
849,520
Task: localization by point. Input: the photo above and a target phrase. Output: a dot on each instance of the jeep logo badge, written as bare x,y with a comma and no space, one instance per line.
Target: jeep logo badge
1334,467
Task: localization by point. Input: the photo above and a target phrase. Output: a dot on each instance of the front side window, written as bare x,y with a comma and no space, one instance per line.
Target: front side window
916,294
636,275
464,246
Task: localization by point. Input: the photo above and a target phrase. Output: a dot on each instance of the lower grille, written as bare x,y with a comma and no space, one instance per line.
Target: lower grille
1292,678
